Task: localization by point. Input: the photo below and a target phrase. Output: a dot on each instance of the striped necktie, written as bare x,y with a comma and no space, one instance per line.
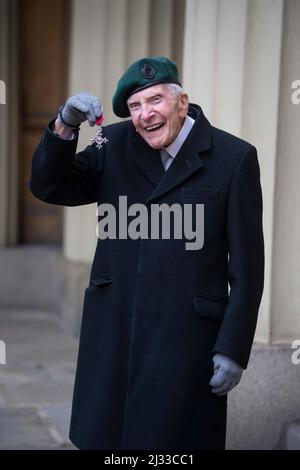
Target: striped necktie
166,158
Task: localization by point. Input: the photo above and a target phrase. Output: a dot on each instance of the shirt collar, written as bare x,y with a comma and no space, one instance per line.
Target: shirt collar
175,146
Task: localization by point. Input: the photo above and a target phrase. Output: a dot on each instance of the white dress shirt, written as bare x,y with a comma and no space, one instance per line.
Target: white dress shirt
168,154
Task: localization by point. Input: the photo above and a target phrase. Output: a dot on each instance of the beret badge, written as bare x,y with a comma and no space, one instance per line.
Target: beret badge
147,71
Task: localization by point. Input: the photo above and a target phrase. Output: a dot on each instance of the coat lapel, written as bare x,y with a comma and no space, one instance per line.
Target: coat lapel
186,163
147,160
188,160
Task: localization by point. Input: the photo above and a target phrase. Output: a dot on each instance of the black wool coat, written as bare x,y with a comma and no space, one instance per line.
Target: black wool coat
154,313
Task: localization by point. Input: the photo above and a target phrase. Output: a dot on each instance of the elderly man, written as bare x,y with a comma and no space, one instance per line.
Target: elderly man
162,339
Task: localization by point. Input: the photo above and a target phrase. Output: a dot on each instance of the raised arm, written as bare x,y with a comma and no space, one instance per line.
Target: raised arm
58,174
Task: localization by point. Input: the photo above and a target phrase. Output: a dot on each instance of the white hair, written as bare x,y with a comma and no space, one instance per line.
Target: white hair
174,88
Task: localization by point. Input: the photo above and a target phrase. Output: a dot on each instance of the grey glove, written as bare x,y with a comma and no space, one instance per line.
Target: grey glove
227,374
79,108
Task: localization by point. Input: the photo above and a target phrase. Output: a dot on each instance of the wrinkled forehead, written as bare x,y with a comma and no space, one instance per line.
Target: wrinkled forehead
160,89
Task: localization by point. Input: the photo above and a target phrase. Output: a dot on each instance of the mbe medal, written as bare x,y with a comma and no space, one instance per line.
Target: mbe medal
99,139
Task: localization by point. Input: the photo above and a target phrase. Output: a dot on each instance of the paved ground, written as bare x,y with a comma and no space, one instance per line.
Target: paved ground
36,383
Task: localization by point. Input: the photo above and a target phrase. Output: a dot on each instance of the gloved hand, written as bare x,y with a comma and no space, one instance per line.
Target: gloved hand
227,374
79,108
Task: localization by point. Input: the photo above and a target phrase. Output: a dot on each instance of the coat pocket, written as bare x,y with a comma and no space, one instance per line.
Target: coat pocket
101,281
208,307
97,296
196,193
95,284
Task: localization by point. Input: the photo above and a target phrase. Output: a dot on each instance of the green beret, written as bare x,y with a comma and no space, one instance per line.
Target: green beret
142,74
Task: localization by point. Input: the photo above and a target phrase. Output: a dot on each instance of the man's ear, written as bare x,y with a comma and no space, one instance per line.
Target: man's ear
183,104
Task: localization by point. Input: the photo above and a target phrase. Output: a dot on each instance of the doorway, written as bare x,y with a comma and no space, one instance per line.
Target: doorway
43,44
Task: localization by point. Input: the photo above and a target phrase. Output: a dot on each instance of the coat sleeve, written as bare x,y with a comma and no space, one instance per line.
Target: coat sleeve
246,261
60,176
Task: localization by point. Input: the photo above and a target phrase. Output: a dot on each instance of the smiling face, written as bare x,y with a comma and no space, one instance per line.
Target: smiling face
158,114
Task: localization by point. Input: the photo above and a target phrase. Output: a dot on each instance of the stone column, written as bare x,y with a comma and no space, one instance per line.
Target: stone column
230,64
8,124
285,298
231,67
200,38
260,120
